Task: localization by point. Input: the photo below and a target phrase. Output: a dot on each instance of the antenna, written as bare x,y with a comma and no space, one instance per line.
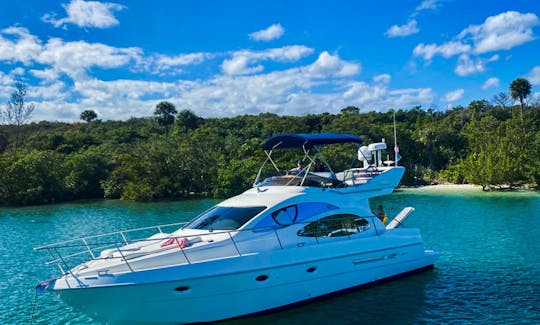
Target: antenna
396,148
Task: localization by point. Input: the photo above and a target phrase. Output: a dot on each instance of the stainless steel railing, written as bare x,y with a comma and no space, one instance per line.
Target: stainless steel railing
70,253
61,252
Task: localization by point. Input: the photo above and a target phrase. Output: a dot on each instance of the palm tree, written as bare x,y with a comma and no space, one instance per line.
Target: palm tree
520,89
165,113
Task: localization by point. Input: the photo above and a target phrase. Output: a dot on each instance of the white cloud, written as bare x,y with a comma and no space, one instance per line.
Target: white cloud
331,65
100,91
363,93
412,25
117,99
534,76
164,63
428,5
381,98
87,14
491,82
493,58
286,53
534,100
245,62
273,32
238,65
410,97
67,85
447,50
501,32
70,58
75,58
454,95
182,59
425,6
55,90
294,91
45,74
467,66
17,71
382,78
19,46
403,30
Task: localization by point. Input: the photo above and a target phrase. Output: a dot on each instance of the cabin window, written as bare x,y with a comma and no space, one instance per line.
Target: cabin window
285,216
335,226
294,214
224,218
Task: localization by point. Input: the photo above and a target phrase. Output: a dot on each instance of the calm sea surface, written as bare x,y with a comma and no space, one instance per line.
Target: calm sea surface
488,273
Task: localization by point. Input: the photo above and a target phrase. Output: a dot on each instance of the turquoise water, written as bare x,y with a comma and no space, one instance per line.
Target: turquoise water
489,270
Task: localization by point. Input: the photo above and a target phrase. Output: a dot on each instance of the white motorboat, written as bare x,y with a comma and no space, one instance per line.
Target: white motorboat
294,236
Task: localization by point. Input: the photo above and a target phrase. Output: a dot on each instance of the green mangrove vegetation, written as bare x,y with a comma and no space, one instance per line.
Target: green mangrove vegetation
178,154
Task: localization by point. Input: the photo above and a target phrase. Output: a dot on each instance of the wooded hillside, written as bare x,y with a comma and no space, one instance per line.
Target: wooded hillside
141,159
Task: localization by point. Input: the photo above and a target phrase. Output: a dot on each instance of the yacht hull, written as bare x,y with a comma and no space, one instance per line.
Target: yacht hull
293,237
273,281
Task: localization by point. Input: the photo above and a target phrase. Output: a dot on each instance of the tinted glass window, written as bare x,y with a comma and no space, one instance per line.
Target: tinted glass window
285,216
224,218
294,214
335,226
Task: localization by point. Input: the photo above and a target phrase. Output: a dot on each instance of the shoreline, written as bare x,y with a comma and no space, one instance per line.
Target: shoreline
459,187
464,188
437,187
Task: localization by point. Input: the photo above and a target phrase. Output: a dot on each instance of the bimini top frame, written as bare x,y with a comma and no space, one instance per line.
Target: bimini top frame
306,142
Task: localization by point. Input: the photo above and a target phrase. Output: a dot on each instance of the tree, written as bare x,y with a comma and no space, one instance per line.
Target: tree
520,89
17,111
350,110
501,99
187,120
165,113
88,115
32,177
3,141
85,171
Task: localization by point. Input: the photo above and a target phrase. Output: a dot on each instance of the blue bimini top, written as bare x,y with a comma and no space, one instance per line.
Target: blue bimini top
308,141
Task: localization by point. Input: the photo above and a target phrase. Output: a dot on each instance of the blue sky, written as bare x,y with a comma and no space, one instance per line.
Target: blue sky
229,58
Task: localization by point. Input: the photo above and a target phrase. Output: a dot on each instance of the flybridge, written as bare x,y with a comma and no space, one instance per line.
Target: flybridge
313,170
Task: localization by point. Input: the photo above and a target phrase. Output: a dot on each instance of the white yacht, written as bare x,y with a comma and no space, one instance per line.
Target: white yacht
296,235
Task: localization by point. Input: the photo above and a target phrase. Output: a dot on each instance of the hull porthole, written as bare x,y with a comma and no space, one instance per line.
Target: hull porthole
181,288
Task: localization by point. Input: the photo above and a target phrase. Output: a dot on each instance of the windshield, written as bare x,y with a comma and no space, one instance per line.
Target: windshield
224,218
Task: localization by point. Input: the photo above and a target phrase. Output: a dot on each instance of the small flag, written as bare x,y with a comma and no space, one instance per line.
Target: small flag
43,286
398,156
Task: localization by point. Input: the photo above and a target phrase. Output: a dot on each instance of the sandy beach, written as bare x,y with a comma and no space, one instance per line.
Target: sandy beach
446,187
